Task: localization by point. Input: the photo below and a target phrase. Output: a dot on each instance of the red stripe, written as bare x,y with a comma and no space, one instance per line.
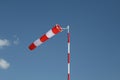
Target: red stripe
68,57
68,76
56,29
44,38
68,37
32,46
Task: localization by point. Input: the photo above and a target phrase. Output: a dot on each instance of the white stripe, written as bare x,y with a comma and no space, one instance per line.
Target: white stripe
68,47
68,68
37,42
50,34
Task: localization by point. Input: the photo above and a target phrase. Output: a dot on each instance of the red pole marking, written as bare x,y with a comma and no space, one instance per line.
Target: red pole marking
68,37
68,57
68,76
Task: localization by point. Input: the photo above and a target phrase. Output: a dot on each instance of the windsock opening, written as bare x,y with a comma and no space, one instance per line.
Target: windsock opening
56,29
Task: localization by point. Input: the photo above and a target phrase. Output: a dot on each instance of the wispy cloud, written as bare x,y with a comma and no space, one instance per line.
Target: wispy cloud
4,42
16,41
4,64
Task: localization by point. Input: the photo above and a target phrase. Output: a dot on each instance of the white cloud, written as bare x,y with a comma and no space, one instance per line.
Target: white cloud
4,64
4,42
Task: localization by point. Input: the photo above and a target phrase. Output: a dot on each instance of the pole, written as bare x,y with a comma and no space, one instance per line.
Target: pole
68,36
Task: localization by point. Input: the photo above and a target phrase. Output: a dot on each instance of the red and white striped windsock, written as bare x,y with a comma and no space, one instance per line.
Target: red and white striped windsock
55,30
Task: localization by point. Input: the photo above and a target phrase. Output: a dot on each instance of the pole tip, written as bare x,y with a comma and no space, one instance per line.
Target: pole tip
68,27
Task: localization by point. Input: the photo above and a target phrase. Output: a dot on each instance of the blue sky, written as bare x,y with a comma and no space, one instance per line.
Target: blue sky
95,39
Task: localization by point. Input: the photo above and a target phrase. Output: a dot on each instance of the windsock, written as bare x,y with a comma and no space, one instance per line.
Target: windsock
55,30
